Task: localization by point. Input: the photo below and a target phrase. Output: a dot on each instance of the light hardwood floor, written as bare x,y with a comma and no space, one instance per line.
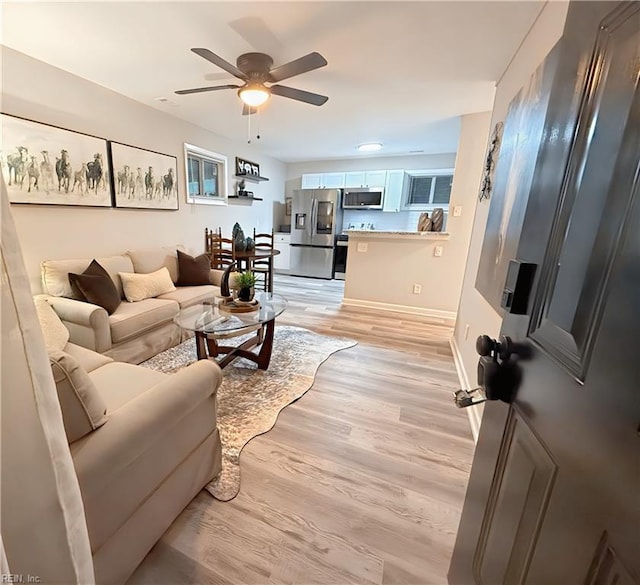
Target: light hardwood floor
362,480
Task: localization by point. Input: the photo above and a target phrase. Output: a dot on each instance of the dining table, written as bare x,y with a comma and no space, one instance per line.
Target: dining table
246,258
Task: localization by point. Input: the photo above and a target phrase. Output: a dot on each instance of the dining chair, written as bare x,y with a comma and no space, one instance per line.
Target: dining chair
264,267
221,250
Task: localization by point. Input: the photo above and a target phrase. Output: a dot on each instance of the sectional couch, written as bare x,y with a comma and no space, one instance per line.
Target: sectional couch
137,330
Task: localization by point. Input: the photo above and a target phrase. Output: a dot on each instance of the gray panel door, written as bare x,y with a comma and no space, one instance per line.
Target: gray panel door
554,492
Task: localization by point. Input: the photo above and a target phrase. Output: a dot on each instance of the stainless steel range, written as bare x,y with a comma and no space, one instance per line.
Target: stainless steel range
340,257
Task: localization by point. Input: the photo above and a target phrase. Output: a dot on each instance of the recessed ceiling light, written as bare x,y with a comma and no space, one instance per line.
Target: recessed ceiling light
370,147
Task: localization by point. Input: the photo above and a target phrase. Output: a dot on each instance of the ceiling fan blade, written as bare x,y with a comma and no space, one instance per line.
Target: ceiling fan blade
246,110
302,65
220,62
298,94
203,89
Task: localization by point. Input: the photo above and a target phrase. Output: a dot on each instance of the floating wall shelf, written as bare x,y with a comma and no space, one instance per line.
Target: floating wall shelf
244,198
254,178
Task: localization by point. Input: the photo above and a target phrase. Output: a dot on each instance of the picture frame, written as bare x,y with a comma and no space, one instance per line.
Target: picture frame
47,165
246,168
143,179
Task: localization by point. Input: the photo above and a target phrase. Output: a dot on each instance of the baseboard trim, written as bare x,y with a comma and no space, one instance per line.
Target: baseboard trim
437,313
473,412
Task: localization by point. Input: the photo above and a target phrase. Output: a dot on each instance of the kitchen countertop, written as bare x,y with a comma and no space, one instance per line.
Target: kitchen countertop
398,235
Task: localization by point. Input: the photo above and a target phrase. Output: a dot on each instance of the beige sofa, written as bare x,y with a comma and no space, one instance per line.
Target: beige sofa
143,444
135,331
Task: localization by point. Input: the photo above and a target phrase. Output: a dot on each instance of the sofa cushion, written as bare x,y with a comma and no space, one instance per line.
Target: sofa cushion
56,335
152,259
186,296
96,286
119,382
138,287
83,409
193,271
88,360
131,319
55,273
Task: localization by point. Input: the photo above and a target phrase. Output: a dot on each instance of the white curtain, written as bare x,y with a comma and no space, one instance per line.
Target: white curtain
42,520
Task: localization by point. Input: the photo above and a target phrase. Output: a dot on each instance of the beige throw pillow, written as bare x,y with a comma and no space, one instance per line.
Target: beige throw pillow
83,408
56,335
152,259
138,287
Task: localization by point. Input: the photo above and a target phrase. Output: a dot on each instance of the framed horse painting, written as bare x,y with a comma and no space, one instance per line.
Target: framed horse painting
48,165
143,179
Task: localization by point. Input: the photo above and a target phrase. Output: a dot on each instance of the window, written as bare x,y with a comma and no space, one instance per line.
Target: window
206,174
427,190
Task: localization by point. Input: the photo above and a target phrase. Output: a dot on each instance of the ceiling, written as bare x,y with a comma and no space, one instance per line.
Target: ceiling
400,73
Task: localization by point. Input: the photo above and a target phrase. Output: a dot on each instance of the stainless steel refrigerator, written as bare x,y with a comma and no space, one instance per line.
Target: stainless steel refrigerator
316,220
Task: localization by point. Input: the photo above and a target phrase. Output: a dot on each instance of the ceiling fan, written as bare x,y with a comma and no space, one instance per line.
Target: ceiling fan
255,70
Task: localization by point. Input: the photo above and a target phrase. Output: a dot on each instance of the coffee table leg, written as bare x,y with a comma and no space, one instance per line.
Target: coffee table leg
264,356
201,348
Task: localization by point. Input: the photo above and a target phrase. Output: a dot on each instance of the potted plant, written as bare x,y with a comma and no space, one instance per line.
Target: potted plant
245,282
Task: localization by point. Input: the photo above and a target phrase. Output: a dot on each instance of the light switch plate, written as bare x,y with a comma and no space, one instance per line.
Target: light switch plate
437,251
362,246
457,210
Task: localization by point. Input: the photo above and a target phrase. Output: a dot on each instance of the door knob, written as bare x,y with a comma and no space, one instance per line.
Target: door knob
498,375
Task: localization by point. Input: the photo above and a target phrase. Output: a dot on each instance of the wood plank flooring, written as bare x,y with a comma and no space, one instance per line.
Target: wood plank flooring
362,480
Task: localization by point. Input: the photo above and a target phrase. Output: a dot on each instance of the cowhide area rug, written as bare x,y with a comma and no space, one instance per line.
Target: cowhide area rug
249,399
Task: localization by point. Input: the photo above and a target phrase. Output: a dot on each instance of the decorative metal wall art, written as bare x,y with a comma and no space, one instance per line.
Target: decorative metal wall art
489,165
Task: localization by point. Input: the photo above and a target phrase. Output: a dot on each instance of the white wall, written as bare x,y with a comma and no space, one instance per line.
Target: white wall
474,311
405,263
35,90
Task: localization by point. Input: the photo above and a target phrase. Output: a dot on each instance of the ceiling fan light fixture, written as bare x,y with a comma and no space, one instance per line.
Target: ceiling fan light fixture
369,146
254,95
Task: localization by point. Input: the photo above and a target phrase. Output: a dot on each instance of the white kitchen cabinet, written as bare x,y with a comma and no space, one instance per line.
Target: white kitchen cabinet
332,180
357,179
393,191
323,181
354,179
311,180
375,178
282,262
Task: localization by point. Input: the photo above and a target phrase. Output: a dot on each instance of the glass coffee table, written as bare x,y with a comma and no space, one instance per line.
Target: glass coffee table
212,324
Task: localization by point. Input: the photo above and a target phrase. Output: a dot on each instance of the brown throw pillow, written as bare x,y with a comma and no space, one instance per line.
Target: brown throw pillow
193,271
96,287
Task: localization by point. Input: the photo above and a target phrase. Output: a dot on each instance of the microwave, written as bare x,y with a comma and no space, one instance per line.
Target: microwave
363,198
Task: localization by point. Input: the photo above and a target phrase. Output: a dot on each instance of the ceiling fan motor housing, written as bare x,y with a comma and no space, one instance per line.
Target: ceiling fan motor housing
254,63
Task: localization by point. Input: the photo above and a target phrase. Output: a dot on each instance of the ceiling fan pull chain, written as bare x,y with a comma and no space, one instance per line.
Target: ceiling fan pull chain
249,128
258,132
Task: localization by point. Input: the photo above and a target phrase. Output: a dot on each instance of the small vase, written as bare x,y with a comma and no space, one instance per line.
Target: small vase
239,241
246,294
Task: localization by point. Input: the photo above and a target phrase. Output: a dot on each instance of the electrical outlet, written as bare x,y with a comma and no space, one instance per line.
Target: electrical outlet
362,246
437,251
417,289
466,331
457,210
